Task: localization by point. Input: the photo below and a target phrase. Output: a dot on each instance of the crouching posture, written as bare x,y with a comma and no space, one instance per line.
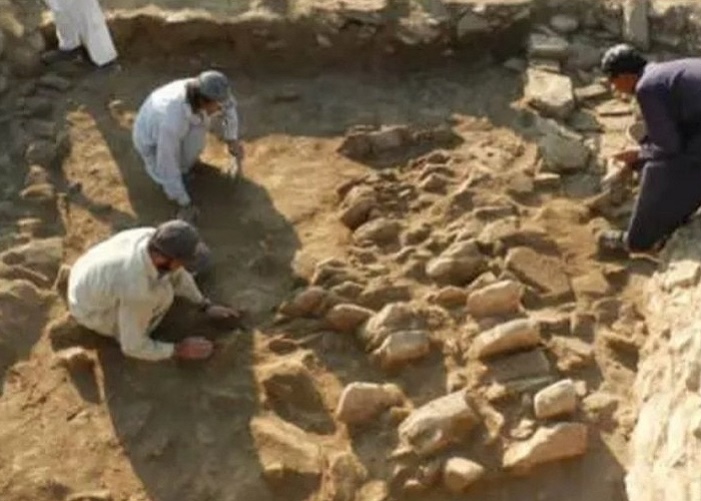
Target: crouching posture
171,127
123,287
669,156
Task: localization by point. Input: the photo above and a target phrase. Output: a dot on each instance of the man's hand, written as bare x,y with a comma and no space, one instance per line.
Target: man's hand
188,213
627,157
194,348
236,150
224,317
616,176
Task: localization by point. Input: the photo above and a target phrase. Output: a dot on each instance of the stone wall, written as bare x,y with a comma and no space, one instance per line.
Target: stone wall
666,443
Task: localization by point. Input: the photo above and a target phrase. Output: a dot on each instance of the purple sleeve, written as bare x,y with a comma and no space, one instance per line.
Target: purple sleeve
663,140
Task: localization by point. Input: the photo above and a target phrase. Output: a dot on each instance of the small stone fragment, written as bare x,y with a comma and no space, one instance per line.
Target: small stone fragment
547,47
555,400
545,273
505,338
501,298
306,303
361,402
562,23
74,358
401,347
438,423
380,231
549,93
459,473
458,264
357,206
98,495
347,317
450,297
548,444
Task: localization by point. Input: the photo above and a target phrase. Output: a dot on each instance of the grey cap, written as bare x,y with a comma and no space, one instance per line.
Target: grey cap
214,85
180,240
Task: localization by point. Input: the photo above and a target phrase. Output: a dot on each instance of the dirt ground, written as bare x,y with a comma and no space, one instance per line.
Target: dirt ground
169,431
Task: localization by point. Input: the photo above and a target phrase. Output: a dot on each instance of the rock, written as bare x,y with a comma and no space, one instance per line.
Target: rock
55,82
401,347
36,175
682,274
555,400
593,91
380,231
357,206
42,194
392,318
98,495
505,338
364,144
378,295
548,444
591,285
562,23
521,366
290,387
2,43
549,93
434,183
288,456
40,255
459,473
23,59
309,302
547,47
375,490
564,153
362,402
450,297
347,317
458,264
516,64
346,475
545,273
439,423
348,290
471,24
43,129
74,358
37,106
571,353
44,153
635,23
501,298
600,405
584,56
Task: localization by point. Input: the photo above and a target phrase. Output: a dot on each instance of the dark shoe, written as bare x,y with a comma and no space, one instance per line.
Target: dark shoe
612,244
57,56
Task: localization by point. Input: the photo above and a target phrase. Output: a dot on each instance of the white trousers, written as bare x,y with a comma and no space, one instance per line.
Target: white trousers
82,22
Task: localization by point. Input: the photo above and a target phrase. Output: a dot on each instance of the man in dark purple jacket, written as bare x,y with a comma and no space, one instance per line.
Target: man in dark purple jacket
669,156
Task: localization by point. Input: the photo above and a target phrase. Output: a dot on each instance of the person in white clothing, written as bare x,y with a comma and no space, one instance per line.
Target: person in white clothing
123,287
171,128
80,24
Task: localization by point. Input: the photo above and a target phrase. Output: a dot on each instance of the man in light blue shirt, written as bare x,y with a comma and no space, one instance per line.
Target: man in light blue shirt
171,127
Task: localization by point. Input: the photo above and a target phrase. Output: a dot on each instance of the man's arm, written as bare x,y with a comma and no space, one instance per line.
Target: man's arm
230,122
168,166
184,286
135,342
663,138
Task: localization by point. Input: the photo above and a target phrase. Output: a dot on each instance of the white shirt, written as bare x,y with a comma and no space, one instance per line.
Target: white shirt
164,121
115,290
